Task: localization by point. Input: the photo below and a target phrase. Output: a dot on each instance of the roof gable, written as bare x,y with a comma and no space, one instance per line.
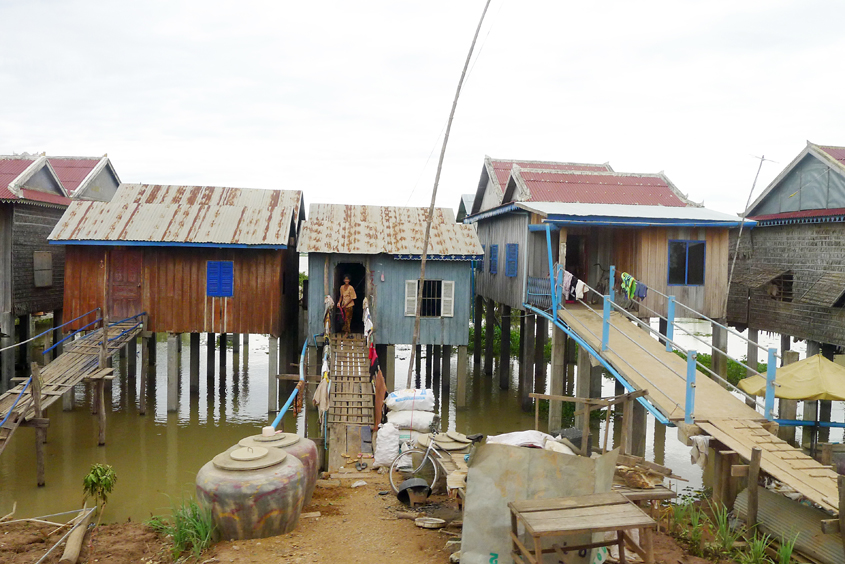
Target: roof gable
30,178
813,184
495,174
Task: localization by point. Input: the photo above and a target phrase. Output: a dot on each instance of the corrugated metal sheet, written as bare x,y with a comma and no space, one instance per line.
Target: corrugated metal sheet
72,170
184,214
10,169
837,153
799,214
503,167
599,188
628,211
377,229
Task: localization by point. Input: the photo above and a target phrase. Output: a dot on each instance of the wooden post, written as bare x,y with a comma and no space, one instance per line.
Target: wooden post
172,373
753,477
446,374
489,336
58,332
582,386
210,343
585,430
788,409
526,385
35,390
101,412
540,355
719,360
145,368
479,314
461,392
272,372
195,363
638,429
390,365
505,349
435,363
418,365
558,378
751,356
429,361
627,438
224,339
840,482
132,359
236,345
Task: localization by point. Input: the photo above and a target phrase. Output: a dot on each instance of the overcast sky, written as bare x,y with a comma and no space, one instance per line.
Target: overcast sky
348,100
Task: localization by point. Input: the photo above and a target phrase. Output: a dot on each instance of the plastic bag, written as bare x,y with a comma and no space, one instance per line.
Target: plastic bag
410,400
416,420
387,446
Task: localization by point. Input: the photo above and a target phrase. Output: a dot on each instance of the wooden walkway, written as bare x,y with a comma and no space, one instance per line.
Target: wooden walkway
717,413
79,361
352,393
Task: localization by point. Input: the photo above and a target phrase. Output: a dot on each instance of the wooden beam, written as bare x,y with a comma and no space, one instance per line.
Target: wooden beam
739,470
753,476
830,526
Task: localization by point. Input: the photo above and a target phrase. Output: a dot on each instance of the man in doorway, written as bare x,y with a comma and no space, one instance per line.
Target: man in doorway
346,301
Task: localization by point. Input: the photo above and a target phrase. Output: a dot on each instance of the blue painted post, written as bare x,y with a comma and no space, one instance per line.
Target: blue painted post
605,324
611,283
670,323
770,385
689,406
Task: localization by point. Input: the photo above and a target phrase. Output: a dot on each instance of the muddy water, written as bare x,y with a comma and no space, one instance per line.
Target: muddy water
157,456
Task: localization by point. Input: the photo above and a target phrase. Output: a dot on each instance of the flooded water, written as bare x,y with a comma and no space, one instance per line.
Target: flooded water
157,456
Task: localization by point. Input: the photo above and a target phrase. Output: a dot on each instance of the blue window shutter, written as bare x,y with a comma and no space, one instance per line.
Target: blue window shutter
213,278
511,259
494,259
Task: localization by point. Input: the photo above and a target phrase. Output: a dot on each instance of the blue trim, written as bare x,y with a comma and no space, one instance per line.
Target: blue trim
800,220
494,259
166,244
686,261
440,257
640,222
220,278
802,423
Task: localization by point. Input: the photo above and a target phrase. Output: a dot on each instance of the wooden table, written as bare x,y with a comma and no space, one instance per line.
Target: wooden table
596,513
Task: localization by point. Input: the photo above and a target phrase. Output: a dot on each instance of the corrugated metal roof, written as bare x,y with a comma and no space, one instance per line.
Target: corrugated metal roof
598,188
377,229
503,167
837,153
692,214
72,170
184,215
800,214
10,169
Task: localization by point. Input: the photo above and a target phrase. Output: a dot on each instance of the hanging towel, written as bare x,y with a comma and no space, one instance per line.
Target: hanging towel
567,281
642,291
580,288
572,284
698,453
629,285
321,398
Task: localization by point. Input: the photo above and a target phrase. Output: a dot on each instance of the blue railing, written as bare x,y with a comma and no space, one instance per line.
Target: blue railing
539,292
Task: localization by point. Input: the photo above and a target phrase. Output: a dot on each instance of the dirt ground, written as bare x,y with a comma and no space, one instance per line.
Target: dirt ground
354,526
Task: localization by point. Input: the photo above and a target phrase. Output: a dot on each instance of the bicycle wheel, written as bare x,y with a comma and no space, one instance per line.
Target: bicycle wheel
412,463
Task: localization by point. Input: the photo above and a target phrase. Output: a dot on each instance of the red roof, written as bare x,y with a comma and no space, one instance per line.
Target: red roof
837,153
503,168
799,214
9,170
608,188
72,172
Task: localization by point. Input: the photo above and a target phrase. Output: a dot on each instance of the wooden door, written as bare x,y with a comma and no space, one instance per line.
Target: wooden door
125,276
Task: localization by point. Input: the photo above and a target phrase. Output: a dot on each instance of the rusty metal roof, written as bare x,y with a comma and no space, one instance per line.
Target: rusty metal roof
183,215
393,230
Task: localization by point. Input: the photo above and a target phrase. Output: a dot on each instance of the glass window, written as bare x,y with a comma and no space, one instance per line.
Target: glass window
686,263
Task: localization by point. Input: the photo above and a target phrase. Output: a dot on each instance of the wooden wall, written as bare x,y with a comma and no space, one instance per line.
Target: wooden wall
31,225
174,289
5,258
501,230
387,297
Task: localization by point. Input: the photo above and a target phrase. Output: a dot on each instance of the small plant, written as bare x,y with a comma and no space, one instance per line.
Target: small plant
756,552
190,527
785,549
98,484
680,514
696,530
725,535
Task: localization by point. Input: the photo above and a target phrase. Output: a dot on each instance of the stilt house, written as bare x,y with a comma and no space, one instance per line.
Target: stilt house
34,192
790,271
640,223
194,258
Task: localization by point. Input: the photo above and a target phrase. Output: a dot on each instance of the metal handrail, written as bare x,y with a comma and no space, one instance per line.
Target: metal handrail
49,330
70,335
17,399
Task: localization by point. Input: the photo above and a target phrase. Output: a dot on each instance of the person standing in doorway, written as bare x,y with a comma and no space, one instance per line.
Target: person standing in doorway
346,301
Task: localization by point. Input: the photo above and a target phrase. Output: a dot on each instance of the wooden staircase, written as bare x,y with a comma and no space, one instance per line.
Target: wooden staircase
352,393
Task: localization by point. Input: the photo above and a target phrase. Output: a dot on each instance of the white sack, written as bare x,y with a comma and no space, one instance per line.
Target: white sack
521,438
416,420
387,446
410,399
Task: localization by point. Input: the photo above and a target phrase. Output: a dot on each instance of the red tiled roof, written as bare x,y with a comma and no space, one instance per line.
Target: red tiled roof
9,170
837,153
610,188
799,214
72,172
503,168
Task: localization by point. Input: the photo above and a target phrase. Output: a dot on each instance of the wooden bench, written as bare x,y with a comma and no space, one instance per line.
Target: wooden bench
595,513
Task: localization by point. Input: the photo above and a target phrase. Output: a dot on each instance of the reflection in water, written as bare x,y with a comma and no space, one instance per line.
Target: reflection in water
158,455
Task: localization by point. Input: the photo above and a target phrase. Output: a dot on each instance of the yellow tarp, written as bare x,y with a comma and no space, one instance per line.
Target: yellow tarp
814,378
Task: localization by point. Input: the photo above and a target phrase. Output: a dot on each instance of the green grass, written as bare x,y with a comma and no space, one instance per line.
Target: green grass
189,527
736,371
722,531
756,551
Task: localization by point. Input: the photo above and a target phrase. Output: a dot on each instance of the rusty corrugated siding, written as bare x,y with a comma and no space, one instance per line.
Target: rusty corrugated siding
380,229
184,214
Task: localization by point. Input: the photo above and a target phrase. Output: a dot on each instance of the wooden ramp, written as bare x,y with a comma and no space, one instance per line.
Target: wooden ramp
79,361
639,365
718,413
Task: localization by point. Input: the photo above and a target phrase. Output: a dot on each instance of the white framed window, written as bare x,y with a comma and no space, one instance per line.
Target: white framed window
438,298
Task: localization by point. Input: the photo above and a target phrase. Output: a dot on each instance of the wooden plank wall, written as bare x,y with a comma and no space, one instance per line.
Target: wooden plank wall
501,230
174,289
5,258
31,225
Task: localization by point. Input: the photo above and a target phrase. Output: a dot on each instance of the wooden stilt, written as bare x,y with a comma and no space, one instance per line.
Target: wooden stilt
209,348
145,374
446,373
195,363
753,476
479,314
526,385
35,390
461,392
505,349
540,355
489,336
389,365
172,373
272,372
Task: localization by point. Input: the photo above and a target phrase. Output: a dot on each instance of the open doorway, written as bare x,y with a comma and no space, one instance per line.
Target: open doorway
357,277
